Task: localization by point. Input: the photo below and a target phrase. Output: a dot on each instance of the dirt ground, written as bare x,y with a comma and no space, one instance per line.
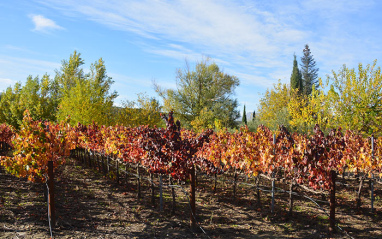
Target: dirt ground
90,205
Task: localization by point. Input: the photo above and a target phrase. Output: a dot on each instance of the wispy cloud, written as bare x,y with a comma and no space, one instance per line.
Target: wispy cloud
216,28
43,24
256,39
17,69
4,83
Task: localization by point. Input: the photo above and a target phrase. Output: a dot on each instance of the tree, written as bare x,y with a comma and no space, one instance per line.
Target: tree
203,95
273,109
254,116
244,116
308,71
307,111
296,77
357,98
143,111
84,97
37,96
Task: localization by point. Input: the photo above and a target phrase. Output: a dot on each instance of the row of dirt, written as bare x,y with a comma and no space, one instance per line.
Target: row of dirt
89,205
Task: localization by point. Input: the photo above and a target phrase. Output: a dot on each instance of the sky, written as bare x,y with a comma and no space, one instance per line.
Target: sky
146,41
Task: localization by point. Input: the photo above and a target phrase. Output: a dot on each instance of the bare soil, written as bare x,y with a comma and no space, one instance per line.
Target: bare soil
90,205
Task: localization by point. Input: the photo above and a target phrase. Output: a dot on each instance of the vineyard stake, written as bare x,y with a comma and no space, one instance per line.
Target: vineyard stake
173,195
196,178
107,165
372,176
152,189
291,198
95,159
273,193
273,176
126,174
103,164
215,183
160,194
359,192
117,166
332,227
89,158
82,156
234,185
139,183
52,209
372,192
192,198
258,190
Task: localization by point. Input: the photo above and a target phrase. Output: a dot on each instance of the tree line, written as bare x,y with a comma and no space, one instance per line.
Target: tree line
350,99
203,98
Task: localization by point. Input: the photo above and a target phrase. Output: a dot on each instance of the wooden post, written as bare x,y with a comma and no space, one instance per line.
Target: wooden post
160,194
117,169
273,194
215,183
103,165
332,227
95,159
82,156
107,165
173,195
139,183
196,178
372,176
359,192
273,176
152,190
291,198
126,174
90,159
192,199
258,190
234,185
52,209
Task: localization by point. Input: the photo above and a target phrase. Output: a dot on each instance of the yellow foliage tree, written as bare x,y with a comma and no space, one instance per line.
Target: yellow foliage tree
357,98
273,109
317,108
144,111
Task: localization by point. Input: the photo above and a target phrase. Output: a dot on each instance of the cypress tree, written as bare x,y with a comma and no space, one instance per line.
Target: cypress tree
253,116
296,77
308,71
244,116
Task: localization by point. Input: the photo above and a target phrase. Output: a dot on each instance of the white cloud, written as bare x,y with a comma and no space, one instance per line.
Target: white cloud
215,28
4,83
16,69
43,24
254,39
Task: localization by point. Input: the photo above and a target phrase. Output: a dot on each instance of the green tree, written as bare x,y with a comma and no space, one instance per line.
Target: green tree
244,119
37,96
296,77
69,75
308,71
10,111
357,98
85,97
316,108
200,93
273,108
143,111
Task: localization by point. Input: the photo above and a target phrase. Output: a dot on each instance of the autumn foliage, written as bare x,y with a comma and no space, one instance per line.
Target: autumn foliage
172,150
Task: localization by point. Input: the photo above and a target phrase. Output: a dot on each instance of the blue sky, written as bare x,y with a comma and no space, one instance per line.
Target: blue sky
144,41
